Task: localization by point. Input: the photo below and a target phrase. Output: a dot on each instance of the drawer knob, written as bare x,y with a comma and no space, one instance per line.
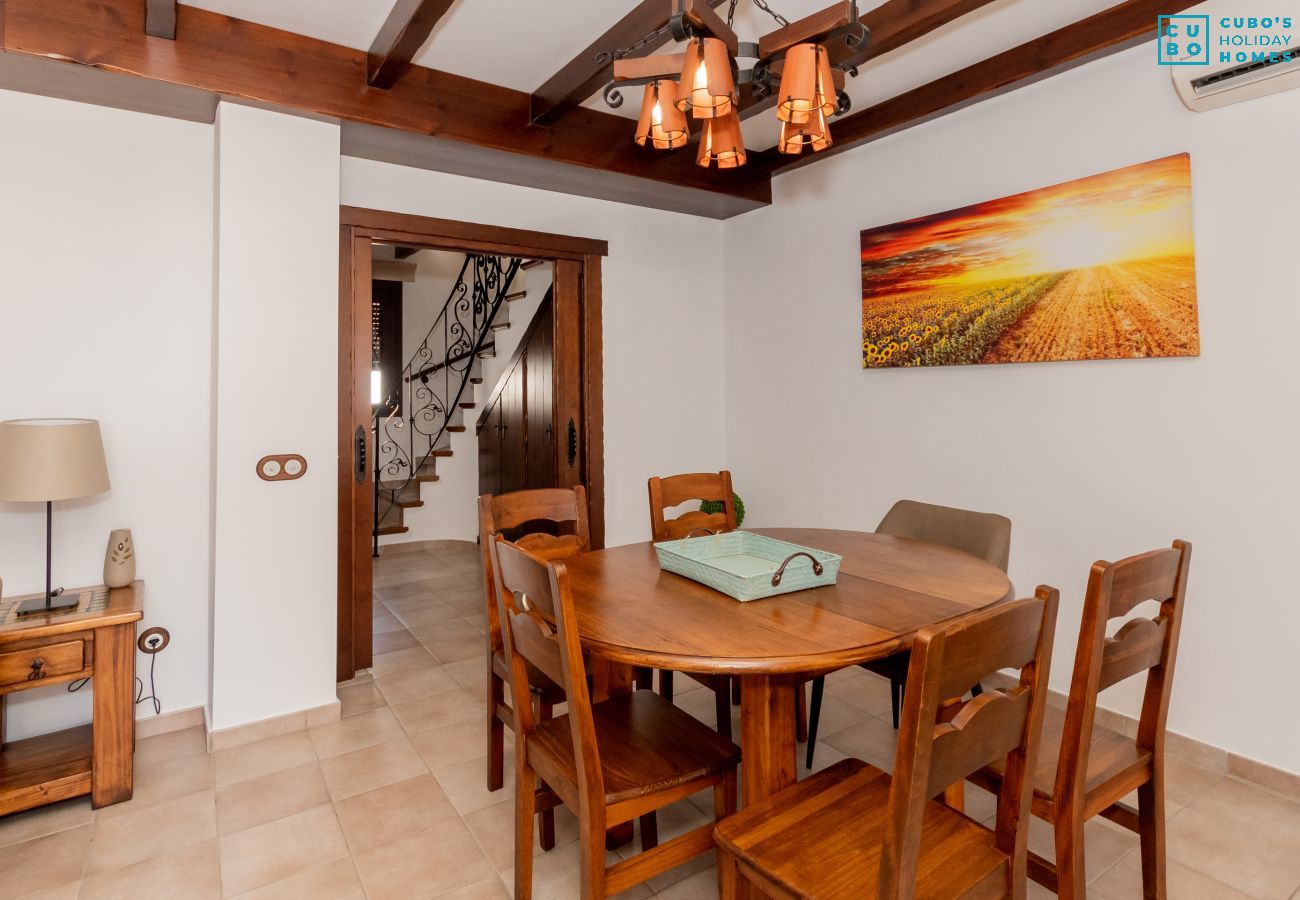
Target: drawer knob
38,669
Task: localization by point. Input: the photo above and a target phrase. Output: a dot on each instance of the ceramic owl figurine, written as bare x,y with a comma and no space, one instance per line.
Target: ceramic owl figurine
119,561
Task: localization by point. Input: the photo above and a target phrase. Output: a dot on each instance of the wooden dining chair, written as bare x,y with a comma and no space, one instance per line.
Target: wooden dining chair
554,509
610,762
666,493
986,535
852,831
1086,768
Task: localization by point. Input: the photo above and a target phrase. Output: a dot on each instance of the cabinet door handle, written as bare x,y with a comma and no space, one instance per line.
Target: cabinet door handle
359,456
38,669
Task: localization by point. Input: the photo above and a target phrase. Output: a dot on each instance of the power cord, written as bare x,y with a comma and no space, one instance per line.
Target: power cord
152,642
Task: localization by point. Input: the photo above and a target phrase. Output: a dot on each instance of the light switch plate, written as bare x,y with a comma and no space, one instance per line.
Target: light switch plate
281,467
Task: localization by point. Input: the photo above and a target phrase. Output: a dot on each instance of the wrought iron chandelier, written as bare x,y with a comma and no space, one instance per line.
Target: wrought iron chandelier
704,81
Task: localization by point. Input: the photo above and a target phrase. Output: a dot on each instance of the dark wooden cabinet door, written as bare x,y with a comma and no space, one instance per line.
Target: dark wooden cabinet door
513,435
489,452
539,408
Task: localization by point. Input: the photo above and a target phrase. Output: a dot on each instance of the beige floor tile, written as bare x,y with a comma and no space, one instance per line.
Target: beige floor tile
458,649
556,876
836,715
256,801
467,672
465,783
185,742
362,730
423,865
386,622
262,757
874,741
280,849
869,693
193,872
1241,835
489,888
394,811
703,885
151,831
437,711
333,881
414,685
34,823
48,862
62,892
162,780
392,641
409,660
1123,881
1185,783
359,698
1104,842
371,767
494,826
464,741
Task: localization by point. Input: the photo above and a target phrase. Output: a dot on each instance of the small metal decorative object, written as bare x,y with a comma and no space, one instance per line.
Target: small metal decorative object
119,559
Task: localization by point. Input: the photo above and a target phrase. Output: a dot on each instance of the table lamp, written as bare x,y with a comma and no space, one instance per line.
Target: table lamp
43,460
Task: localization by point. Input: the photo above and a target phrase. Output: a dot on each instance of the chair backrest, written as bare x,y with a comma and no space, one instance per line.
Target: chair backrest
665,493
1140,645
942,741
521,509
986,535
539,627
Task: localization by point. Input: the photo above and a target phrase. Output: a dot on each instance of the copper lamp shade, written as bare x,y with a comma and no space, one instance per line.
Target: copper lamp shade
662,124
806,84
812,134
707,88
721,143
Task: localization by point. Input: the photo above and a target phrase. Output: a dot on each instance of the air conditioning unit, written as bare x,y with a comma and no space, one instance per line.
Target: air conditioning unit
1252,72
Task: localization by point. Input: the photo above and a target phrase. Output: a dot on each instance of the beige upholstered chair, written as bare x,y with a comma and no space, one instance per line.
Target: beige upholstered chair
986,535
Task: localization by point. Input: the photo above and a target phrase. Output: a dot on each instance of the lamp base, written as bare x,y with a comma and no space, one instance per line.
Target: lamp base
37,606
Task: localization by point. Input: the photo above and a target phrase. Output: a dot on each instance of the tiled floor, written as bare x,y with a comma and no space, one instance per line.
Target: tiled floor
389,803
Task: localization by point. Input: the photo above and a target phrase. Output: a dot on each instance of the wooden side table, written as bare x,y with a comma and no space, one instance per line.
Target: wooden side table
96,641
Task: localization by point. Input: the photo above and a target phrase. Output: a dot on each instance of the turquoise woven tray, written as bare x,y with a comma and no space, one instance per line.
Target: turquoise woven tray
748,566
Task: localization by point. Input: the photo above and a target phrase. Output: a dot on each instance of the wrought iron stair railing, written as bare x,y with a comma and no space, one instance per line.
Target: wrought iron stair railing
416,414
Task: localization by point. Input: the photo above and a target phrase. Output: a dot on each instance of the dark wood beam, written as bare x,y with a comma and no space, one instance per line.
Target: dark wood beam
408,26
892,24
160,19
234,58
1109,31
588,72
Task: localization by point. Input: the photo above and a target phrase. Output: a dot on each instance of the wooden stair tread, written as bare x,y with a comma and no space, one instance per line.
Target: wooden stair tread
393,529
456,429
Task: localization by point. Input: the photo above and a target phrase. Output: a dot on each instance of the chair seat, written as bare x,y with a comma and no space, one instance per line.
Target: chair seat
646,744
1110,754
541,682
822,838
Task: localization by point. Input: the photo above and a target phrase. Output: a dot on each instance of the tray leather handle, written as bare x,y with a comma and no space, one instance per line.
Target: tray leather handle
694,531
776,576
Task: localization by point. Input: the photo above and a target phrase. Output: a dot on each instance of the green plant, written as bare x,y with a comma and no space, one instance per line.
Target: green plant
715,506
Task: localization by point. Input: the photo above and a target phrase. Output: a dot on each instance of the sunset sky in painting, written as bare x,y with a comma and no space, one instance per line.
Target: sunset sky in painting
1132,213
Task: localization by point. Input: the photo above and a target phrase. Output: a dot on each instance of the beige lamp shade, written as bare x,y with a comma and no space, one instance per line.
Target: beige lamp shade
662,124
813,133
807,83
721,143
51,459
707,88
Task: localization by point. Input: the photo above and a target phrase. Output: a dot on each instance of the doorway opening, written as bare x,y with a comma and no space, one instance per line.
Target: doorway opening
469,362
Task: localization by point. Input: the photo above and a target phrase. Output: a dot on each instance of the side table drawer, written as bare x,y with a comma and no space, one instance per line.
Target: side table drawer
35,664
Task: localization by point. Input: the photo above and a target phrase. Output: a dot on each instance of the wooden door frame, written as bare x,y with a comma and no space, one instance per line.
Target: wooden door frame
579,382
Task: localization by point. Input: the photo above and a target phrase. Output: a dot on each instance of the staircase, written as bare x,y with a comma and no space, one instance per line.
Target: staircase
414,422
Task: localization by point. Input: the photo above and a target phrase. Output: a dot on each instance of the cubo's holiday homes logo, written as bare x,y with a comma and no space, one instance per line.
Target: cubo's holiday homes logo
1199,40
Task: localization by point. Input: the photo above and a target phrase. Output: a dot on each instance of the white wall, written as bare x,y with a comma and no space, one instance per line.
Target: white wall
274,578
106,255
1090,459
663,356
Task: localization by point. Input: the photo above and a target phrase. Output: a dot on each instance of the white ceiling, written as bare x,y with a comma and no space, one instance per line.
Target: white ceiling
521,43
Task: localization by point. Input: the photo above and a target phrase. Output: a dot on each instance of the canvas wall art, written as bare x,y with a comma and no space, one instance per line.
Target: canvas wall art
1097,268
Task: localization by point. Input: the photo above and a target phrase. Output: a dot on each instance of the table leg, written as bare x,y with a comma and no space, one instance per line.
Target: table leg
767,735
114,715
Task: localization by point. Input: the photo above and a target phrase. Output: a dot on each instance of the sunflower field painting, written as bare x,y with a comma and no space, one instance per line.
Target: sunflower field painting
1097,268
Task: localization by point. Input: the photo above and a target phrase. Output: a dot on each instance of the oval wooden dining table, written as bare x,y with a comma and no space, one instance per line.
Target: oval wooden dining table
631,612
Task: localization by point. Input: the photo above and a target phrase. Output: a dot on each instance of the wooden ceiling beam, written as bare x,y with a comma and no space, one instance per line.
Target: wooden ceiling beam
240,59
590,71
1109,31
892,24
408,26
159,18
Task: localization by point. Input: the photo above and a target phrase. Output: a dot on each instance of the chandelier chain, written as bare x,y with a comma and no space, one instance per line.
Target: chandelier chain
780,19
